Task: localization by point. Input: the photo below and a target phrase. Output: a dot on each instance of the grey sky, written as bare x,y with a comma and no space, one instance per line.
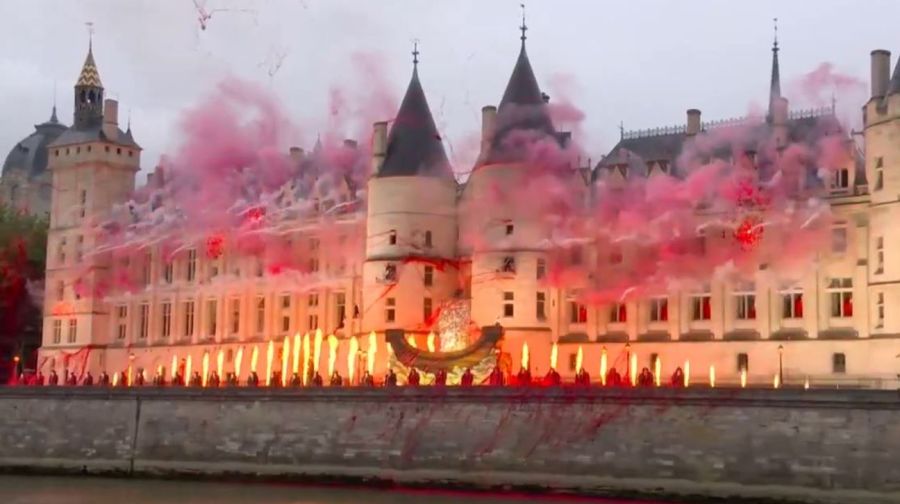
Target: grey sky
642,62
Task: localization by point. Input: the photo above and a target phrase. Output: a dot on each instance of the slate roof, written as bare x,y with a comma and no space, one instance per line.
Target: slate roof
30,154
93,134
414,146
90,76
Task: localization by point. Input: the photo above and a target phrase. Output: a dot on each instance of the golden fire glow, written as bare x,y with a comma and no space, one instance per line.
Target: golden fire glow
317,350
115,380
632,369
743,378
525,356
712,376
270,355
285,359
306,359
687,373
205,369
296,368
187,369
372,350
130,381
777,382
657,371
603,366
431,341
174,369
579,359
332,353
554,355
411,339
238,360
254,358
159,370
351,358
806,383
220,364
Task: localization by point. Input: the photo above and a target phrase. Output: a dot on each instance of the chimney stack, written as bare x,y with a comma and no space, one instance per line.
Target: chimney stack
111,119
349,143
488,123
296,154
881,71
693,122
379,145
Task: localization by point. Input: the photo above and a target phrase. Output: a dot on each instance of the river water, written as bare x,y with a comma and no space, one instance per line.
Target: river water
75,490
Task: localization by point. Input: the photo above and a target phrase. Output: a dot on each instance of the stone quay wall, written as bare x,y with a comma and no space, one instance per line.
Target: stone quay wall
694,445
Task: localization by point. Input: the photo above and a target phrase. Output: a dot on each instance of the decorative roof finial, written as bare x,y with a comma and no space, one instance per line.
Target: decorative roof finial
621,130
775,45
524,27
415,52
90,27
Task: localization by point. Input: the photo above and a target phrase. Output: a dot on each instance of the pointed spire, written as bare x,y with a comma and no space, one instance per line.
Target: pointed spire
53,118
775,84
414,145
522,88
89,76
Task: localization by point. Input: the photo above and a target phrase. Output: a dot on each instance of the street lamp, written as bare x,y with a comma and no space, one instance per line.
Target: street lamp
781,365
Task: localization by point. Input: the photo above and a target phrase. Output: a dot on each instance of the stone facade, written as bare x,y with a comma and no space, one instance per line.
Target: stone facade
789,446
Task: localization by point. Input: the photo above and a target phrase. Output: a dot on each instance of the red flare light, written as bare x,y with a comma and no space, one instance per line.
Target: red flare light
215,246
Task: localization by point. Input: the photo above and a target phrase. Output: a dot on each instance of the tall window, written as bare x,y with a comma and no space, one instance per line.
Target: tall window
792,303
79,248
340,305
508,304
60,290
743,362
188,319
61,251
541,269
144,321
745,302
235,322
508,265
83,203
312,322
879,255
577,312
879,310
838,363
428,239
540,306
57,332
191,265
841,293
73,330
121,321
260,314
390,311
618,313
313,300
168,271
285,313
659,309
392,237
166,320
426,309
839,239
841,179
879,173
701,306
145,268
212,317
428,277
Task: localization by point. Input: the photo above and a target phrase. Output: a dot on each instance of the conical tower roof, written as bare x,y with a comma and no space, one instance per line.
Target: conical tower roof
414,146
522,88
894,87
90,76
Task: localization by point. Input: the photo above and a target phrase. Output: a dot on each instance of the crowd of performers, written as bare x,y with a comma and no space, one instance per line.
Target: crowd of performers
497,378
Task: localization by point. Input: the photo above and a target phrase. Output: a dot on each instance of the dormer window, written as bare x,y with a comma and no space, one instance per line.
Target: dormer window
509,265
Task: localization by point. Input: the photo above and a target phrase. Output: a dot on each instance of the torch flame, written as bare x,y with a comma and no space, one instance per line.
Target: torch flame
128,378
285,357
657,371
115,380
687,373
431,341
632,371
187,370
525,362
238,360
296,368
270,354
205,368
372,350
254,358
306,358
332,353
411,339
351,358
603,366
712,376
744,378
554,354
579,359
159,370
317,350
220,364
806,383
777,382
174,369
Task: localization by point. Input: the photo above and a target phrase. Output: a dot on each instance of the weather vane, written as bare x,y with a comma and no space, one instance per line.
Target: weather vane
524,27
90,29
415,51
775,21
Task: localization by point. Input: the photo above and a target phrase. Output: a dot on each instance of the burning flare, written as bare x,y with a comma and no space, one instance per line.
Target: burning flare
187,370
806,383
332,353
777,382
712,376
657,371
254,358
632,369
238,360
270,355
351,358
317,350
372,350
743,378
603,366
115,380
554,354
174,369
431,341
285,358
220,364
579,359
687,373
205,369
130,381
296,368
306,358
411,339
525,357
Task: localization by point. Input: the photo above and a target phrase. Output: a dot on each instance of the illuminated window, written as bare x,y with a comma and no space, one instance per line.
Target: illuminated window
577,312
745,302
792,303
659,309
841,294
618,313
701,306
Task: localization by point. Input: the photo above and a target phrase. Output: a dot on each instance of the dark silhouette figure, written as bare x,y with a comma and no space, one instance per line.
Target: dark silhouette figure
467,378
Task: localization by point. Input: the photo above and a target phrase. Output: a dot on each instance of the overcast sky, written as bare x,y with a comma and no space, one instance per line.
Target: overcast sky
642,62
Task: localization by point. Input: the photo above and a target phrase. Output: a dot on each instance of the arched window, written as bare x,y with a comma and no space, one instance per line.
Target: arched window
83,96
13,194
91,97
428,239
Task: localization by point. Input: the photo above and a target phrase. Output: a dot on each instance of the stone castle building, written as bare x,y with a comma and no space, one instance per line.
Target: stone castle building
836,326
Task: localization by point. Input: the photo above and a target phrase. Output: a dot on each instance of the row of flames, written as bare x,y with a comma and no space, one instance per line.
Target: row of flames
633,368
